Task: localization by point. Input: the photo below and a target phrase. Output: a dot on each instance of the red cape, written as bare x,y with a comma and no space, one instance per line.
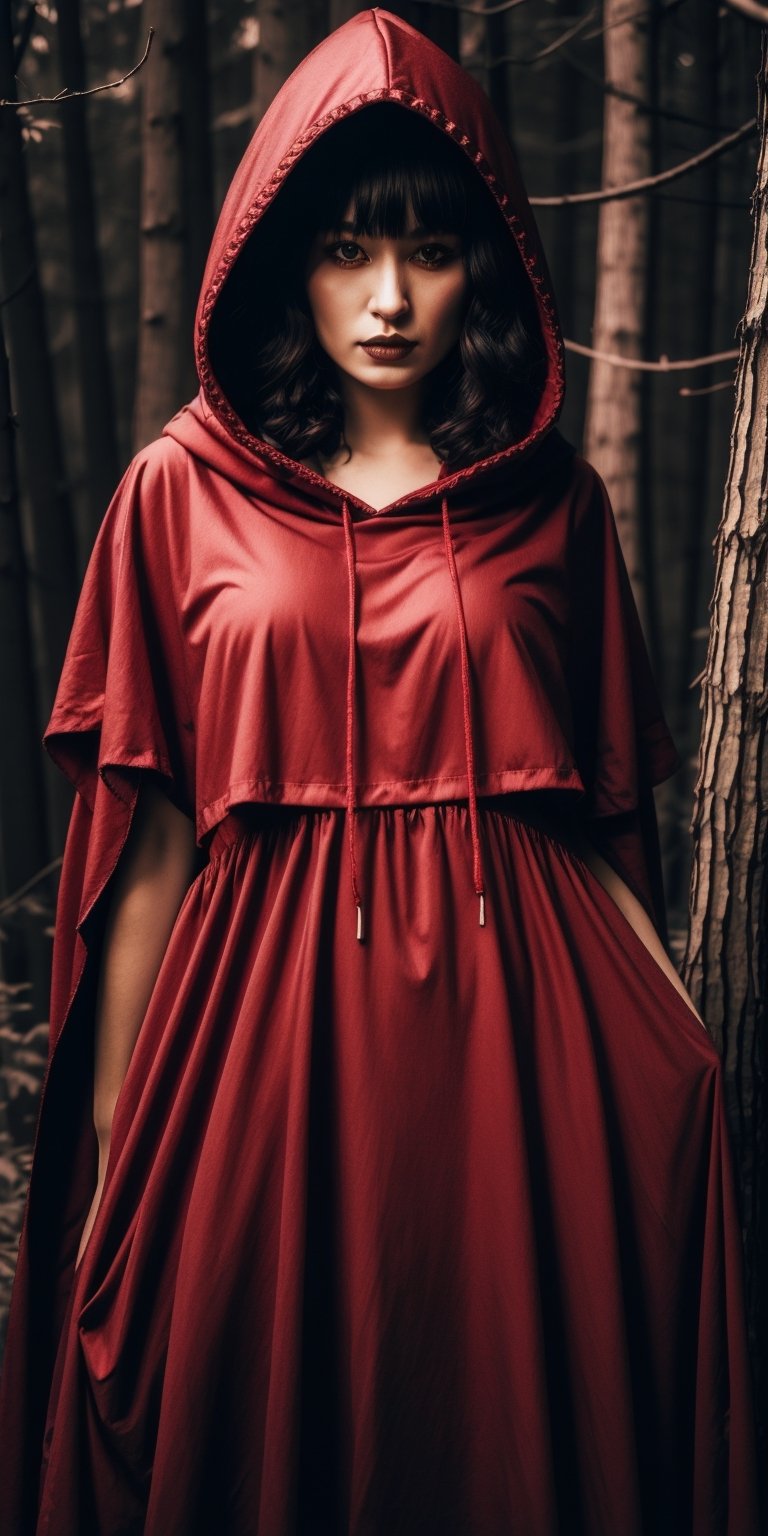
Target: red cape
162,675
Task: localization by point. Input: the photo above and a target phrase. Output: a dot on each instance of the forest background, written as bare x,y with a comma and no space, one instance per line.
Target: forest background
107,204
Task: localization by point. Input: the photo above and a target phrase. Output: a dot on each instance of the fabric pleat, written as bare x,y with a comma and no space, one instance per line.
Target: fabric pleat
445,1246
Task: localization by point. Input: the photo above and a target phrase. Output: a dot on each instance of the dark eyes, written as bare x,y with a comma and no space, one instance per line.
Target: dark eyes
435,255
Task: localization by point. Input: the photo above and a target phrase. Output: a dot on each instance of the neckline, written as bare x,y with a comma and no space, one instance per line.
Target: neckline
311,465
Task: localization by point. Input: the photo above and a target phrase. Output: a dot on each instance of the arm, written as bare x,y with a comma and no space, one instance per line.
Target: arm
633,910
152,876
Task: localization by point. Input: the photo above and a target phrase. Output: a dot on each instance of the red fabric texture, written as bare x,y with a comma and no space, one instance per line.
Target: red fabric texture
435,1231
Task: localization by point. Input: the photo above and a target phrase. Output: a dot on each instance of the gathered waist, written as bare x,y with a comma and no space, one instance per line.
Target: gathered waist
551,811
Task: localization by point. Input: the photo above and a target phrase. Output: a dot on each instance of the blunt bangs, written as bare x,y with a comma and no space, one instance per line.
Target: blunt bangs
382,164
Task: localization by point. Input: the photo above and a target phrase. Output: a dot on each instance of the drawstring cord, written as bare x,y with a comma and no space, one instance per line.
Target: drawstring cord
350,763
469,748
350,743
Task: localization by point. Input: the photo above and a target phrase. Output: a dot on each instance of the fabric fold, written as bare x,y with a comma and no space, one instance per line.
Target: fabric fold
349,756
466,694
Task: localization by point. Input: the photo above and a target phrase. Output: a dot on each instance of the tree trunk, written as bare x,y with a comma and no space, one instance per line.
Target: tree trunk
94,368
612,431
288,30
198,177
48,532
340,11
496,34
439,23
24,951
696,232
726,962
22,801
163,343
560,227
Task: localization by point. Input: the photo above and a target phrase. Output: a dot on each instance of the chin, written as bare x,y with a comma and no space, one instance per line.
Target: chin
393,380
375,377
375,374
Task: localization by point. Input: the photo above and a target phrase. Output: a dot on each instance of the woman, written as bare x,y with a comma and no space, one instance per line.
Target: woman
409,1204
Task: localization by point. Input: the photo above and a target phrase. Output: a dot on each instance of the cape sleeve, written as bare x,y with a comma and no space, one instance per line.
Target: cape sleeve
622,741
121,708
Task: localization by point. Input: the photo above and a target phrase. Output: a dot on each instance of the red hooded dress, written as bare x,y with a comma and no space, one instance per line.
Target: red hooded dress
428,1231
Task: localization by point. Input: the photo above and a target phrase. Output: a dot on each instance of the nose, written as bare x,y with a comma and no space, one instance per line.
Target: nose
389,296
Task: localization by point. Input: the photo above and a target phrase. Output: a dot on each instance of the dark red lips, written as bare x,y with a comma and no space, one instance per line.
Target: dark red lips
388,350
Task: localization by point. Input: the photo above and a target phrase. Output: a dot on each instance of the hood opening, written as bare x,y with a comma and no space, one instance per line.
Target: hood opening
382,162
375,60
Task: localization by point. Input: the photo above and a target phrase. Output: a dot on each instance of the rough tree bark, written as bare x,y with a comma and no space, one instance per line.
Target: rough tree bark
725,966
93,362
22,826
160,373
566,123
198,174
612,429
695,231
288,30
47,523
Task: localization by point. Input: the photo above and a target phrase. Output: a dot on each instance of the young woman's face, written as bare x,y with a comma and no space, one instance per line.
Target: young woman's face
413,287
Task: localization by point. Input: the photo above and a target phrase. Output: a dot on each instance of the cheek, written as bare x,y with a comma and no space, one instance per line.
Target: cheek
449,307
323,302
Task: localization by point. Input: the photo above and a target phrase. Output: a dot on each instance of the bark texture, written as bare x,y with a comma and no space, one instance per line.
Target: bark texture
93,362
163,341
725,965
287,32
613,421
22,818
49,544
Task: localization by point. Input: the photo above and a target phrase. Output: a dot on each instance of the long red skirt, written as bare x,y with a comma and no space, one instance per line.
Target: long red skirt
432,1234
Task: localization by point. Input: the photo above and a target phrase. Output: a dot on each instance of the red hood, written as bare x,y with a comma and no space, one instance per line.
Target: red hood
376,56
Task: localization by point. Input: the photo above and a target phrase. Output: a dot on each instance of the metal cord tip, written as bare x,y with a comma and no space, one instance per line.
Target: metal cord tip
482,909
359,919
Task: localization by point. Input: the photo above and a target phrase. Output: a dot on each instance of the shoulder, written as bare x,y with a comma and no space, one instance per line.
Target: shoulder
162,467
588,484
591,516
149,501
571,480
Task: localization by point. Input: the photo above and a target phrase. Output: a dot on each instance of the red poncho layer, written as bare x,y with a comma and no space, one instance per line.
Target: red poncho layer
339,1273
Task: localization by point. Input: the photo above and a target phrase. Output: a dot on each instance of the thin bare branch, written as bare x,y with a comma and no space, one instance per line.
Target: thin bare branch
632,188
663,365
479,10
479,59
609,89
644,14
750,8
93,90
707,389
10,902
578,28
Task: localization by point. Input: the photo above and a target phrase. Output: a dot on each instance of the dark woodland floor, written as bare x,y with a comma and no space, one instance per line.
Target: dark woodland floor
20,1083
25,956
